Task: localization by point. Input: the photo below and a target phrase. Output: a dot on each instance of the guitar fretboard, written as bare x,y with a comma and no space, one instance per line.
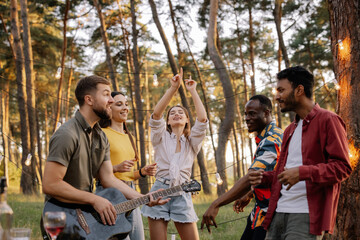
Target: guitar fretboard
134,203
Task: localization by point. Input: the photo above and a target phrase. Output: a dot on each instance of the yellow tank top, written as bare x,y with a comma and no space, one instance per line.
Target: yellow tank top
120,150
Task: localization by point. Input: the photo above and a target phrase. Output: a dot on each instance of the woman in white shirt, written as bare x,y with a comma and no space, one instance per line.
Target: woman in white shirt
175,149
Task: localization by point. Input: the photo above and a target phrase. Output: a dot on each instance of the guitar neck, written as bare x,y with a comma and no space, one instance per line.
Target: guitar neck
134,203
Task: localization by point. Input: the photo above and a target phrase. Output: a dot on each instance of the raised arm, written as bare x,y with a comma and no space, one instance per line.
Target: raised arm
199,107
165,100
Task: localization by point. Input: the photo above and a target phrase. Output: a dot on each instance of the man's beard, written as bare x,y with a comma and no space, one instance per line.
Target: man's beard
290,103
103,114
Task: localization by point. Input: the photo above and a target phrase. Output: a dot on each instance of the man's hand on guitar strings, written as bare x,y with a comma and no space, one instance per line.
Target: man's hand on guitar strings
106,210
158,201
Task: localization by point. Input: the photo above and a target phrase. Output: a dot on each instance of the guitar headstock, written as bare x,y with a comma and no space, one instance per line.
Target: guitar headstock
192,186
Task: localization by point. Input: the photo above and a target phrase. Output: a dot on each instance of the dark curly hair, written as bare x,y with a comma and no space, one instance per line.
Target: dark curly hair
298,76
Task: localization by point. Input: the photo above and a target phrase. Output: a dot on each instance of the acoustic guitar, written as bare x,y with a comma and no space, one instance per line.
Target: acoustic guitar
83,222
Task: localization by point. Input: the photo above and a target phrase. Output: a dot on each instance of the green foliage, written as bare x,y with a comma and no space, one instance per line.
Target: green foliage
27,212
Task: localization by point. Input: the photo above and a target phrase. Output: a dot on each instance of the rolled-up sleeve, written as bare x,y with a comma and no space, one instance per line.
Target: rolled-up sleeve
197,135
158,127
62,145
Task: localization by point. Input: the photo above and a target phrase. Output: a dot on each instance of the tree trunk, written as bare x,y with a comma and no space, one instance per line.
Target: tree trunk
46,131
181,55
277,17
129,67
5,128
345,27
30,89
139,108
227,122
239,38
242,133
5,110
63,56
105,39
251,49
237,156
184,101
40,148
148,114
27,176
276,105
70,78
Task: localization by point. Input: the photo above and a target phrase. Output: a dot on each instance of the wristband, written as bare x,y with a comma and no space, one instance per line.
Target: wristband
141,175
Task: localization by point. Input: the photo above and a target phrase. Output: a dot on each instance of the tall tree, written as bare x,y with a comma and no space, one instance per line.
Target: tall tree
27,177
30,88
277,17
5,128
139,106
345,46
129,66
62,67
105,39
251,48
227,122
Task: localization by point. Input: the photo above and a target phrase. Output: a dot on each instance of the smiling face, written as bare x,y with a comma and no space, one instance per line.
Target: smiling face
285,95
120,108
177,116
102,101
255,116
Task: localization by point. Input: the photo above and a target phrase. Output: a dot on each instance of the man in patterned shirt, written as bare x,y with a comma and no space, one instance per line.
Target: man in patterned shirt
259,121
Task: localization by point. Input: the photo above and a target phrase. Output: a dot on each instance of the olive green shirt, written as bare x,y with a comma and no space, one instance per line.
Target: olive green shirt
72,147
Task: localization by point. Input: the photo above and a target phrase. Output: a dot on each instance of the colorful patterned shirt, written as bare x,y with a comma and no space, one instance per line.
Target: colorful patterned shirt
267,152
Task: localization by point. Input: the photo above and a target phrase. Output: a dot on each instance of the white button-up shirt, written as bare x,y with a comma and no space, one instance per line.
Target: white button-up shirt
170,165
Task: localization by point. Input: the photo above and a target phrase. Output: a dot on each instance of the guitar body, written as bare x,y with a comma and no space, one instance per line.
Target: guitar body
97,229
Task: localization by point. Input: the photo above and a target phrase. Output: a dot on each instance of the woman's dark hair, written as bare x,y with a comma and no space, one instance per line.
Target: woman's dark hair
187,128
104,123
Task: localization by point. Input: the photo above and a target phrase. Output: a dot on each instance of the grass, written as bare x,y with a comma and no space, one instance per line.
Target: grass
28,209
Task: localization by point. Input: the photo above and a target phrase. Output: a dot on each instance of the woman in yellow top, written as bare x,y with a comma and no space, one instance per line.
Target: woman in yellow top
123,155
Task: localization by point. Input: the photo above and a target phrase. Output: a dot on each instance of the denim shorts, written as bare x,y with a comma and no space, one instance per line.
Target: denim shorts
179,208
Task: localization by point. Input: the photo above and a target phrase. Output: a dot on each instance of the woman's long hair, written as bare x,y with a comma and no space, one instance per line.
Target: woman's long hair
187,127
104,123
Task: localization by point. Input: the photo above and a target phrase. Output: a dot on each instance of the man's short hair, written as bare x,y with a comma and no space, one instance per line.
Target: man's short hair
87,85
264,101
298,76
